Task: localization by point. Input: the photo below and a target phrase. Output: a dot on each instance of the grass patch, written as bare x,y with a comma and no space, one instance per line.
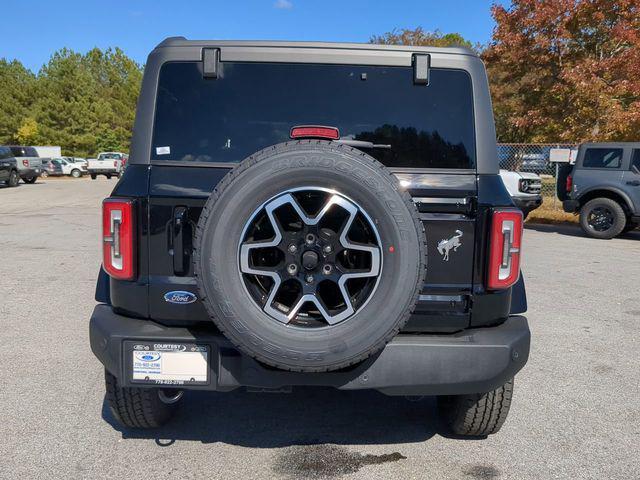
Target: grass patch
551,212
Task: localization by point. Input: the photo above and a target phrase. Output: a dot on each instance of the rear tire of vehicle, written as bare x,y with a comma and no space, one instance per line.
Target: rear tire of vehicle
108,175
477,415
14,179
525,214
614,209
75,173
93,176
30,180
135,407
337,170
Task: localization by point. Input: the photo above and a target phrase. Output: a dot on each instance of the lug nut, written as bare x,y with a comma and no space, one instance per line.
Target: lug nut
292,268
293,248
327,269
310,239
327,249
309,279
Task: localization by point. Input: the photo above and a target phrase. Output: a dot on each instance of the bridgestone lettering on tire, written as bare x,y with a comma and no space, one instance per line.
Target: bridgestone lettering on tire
309,256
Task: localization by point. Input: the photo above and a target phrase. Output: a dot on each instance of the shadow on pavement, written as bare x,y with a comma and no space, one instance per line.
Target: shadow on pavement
573,230
307,416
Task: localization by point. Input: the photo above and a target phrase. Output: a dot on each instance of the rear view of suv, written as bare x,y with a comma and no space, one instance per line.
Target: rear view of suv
311,214
27,161
604,188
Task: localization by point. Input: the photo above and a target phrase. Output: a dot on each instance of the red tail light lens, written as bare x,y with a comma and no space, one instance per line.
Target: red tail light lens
115,163
569,184
118,238
25,163
314,131
504,250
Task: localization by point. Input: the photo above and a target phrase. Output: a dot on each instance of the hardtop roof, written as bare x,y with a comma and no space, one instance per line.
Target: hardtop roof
183,42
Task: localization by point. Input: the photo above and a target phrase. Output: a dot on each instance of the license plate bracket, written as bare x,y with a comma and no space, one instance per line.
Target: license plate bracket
167,363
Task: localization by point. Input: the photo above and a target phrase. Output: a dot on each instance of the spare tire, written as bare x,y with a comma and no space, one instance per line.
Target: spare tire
309,256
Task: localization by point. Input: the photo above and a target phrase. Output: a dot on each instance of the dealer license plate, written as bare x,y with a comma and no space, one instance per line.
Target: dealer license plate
170,363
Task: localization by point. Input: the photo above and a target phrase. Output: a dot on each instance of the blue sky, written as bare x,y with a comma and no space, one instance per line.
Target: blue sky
35,29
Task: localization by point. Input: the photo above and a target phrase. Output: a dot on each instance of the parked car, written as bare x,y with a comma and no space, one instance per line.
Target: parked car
8,167
525,189
28,163
278,253
603,187
51,168
108,164
80,161
72,169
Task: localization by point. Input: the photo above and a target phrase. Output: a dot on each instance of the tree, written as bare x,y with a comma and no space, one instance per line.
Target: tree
28,132
83,103
17,88
566,70
420,37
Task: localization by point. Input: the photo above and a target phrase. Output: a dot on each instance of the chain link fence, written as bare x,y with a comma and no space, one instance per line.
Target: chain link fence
533,157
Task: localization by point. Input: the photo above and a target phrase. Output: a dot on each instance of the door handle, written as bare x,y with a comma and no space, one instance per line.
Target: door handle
180,223
635,183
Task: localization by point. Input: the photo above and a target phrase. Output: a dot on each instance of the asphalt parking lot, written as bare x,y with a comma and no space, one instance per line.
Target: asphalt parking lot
576,411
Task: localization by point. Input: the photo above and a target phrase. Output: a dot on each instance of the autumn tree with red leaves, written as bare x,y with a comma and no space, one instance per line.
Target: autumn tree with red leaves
566,70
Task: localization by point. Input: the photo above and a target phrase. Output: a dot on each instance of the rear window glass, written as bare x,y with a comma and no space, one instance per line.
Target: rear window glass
4,153
635,161
602,158
24,152
109,156
254,105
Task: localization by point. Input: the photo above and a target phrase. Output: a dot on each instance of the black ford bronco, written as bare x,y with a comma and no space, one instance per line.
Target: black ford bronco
311,214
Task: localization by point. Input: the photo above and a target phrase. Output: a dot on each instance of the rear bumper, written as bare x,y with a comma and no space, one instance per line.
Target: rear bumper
473,361
571,206
30,172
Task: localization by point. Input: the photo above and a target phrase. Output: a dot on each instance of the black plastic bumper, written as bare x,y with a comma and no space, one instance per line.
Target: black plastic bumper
527,203
571,206
472,361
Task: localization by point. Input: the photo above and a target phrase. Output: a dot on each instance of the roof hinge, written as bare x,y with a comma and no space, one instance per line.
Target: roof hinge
421,65
210,62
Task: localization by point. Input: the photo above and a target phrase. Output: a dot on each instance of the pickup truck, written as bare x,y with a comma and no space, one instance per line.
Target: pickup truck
108,164
354,233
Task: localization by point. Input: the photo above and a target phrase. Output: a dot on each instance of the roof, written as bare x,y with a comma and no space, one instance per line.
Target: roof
610,144
183,42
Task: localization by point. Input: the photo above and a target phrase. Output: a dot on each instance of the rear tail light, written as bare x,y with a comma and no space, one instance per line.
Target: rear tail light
25,163
115,163
118,238
569,184
315,131
504,250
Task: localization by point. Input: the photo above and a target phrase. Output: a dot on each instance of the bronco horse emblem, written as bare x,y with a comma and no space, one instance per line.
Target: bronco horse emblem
445,246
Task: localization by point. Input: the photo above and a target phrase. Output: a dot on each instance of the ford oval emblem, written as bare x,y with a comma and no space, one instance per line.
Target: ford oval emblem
147,356
180,297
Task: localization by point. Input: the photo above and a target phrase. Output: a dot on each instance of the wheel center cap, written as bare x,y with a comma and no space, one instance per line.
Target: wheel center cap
309,260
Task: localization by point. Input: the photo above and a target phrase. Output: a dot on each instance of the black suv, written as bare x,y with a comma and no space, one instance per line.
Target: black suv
311,214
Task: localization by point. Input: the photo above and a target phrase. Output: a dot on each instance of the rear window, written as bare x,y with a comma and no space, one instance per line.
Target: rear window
109,156
24,151
254,105
5,152
602,158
